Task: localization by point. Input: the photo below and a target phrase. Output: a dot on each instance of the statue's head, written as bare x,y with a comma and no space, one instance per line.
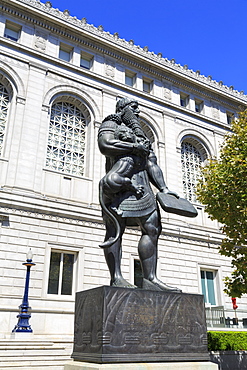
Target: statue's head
122,103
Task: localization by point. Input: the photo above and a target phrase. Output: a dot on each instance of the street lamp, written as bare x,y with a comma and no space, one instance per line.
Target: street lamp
23,318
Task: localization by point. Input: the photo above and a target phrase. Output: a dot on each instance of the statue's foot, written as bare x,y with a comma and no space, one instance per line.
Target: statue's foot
158,285
122,283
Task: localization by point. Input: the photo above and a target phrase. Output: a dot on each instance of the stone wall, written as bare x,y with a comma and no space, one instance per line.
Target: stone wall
49,210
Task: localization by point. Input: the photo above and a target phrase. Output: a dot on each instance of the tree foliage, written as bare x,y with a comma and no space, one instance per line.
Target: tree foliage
223,189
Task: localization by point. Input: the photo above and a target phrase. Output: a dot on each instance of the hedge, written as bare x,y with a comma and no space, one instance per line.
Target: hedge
227,340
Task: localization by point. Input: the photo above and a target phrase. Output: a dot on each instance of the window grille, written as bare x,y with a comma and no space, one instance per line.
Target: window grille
192,160
66,141
4,104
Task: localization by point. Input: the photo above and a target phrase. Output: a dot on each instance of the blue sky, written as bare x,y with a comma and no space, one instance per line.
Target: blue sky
209,36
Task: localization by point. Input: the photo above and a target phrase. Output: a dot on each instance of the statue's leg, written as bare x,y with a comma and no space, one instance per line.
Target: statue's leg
113,256
147,248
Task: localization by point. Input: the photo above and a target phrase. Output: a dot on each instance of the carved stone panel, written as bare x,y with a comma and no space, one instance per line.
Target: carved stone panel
167,92
110,68
40,40
134,325
215,111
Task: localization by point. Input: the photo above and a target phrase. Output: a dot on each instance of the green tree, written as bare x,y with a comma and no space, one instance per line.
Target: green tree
223,189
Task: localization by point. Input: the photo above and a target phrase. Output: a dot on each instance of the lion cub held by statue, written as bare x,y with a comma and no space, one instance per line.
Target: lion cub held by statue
118,178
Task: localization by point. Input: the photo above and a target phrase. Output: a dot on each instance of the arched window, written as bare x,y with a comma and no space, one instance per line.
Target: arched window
66,141
4,104
193,155
147,130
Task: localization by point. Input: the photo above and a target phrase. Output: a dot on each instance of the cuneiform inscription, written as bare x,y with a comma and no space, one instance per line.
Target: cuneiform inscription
139,316
187,328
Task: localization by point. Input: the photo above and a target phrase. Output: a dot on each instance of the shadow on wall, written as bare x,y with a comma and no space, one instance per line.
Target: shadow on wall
229,360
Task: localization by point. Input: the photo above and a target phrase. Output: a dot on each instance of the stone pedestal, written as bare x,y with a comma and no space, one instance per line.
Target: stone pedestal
119,325
77,365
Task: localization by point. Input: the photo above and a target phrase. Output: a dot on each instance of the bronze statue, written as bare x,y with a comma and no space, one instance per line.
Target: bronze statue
125,193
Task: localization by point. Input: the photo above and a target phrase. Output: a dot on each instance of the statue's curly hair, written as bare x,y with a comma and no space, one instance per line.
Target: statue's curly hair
121,103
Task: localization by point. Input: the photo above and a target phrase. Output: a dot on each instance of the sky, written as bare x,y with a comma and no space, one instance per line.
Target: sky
209,36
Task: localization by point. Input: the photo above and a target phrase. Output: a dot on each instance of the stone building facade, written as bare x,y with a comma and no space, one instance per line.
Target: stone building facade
59,77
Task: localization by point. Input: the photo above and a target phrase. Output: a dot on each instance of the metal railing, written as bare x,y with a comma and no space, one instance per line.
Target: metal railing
220,317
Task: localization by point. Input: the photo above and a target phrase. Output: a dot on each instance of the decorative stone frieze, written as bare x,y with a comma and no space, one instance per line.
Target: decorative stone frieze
48,4
49,216
13,62
66,12
98,31
192,124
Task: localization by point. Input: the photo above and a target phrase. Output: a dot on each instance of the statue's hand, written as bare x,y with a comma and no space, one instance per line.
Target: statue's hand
139,191
167,191
146,143
141,149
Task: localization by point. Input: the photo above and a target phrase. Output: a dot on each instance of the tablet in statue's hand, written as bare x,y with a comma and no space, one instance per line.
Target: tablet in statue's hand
179,206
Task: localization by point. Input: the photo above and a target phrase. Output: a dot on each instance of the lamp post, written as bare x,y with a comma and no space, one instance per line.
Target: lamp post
23,318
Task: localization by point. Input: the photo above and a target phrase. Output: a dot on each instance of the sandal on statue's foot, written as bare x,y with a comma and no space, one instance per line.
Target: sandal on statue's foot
158,286
122,283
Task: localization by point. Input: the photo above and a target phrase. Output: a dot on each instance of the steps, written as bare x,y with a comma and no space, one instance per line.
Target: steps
26,353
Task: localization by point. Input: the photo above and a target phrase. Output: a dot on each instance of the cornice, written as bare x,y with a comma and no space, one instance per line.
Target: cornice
169,66
160,103
172,81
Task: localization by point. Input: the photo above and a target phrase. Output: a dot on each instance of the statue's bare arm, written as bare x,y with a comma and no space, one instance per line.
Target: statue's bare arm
111,147
156,175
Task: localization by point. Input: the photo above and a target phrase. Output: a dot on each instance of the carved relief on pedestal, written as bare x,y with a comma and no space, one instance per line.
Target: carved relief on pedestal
138,325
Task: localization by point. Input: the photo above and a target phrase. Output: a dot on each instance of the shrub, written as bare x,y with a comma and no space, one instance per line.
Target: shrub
227,340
